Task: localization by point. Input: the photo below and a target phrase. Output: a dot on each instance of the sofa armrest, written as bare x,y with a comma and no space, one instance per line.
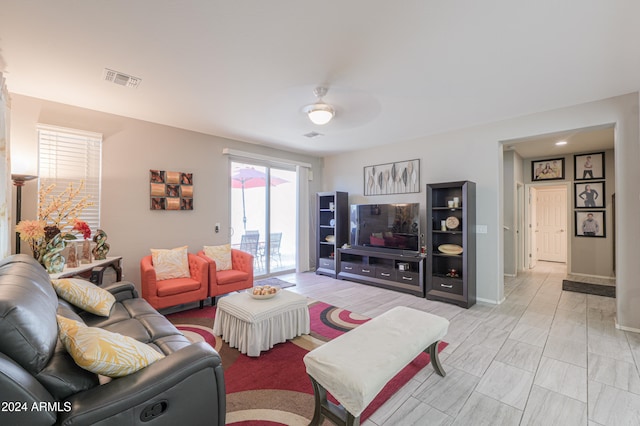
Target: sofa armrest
176,388
121,290
20,388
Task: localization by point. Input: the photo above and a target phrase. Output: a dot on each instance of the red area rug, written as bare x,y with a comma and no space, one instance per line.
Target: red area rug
274,389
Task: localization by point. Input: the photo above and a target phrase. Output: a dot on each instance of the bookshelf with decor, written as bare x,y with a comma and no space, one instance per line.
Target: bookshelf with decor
332,231
451,243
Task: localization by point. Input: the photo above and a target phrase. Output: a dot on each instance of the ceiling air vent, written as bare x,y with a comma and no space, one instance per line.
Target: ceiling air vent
312,134
121,79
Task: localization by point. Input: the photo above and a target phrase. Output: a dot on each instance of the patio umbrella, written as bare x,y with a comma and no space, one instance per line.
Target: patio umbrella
248,177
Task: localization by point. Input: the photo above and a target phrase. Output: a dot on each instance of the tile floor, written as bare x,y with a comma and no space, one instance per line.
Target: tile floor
543,357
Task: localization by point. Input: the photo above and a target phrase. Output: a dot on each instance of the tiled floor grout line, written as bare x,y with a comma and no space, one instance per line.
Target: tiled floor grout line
535,373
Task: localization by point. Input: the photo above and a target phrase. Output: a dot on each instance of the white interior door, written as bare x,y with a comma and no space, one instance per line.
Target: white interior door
551,216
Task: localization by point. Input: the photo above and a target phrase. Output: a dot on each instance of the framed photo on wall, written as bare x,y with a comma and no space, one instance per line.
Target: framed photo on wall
552,169
590,224
588,166
589,195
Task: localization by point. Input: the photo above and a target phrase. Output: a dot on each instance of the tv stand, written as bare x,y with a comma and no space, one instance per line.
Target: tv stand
396,271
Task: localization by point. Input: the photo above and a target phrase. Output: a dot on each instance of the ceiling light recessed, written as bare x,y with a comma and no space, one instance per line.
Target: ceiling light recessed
559,143
319,113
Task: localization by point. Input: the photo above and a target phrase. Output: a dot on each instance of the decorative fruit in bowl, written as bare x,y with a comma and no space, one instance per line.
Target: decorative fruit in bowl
263,291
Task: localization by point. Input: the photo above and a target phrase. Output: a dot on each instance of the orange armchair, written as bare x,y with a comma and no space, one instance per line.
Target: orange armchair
175,291
239,277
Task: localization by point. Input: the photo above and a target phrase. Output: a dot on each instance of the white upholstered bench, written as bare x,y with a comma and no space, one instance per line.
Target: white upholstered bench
356,366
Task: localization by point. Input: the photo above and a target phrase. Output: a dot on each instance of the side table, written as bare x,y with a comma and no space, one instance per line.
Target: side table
94,270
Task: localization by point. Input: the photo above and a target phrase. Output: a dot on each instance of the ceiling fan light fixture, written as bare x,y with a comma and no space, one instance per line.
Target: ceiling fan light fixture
319,113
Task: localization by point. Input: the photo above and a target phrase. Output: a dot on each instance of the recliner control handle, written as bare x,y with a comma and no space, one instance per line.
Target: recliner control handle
154,410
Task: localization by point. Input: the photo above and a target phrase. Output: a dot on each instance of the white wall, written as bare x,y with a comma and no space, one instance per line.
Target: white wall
133,147
6,216
455,156
512,170
476,154
130,149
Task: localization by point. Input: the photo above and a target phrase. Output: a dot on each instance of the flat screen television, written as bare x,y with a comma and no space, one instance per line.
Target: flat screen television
386,226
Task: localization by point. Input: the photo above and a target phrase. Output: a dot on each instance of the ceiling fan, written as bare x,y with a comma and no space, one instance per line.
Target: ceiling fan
319,113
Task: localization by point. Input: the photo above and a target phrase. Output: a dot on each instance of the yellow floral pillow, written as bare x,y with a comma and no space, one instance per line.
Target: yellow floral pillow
85,295
103,352
172,263
221,255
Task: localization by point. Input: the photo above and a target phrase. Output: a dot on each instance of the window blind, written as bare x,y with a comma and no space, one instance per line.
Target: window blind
71,156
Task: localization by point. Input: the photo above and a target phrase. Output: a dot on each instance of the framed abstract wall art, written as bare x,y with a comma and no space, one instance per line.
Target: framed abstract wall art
402,177
171,190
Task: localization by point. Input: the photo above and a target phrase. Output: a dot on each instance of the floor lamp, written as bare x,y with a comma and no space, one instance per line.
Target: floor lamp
18,181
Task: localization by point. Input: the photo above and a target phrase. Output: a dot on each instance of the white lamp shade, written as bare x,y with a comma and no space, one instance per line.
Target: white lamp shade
319,113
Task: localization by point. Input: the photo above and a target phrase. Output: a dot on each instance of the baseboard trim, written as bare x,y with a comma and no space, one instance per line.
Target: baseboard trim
602,277
511,275
492,302
623,328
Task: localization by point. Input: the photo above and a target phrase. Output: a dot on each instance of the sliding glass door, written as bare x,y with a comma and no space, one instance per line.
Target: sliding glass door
263,215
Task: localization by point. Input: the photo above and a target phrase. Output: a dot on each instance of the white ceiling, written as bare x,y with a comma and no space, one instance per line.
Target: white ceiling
577,141
395,70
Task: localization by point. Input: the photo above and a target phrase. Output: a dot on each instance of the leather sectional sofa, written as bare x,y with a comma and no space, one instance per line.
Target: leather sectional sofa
40,384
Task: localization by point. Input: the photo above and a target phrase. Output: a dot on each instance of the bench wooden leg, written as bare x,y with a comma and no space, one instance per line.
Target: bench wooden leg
325,408
435,361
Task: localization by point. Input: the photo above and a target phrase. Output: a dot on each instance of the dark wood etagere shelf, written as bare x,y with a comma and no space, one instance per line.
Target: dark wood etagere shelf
332,219
451,277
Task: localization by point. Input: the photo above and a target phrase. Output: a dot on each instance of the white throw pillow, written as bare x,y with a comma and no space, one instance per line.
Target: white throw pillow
221,255
170,264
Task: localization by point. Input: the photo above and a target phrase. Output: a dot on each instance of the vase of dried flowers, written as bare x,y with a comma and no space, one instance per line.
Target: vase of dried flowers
57,218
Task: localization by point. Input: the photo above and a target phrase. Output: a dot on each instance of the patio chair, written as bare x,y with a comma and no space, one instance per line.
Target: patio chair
274,248
249,243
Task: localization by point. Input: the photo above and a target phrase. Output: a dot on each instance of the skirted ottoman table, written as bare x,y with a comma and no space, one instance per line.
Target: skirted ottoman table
255,325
